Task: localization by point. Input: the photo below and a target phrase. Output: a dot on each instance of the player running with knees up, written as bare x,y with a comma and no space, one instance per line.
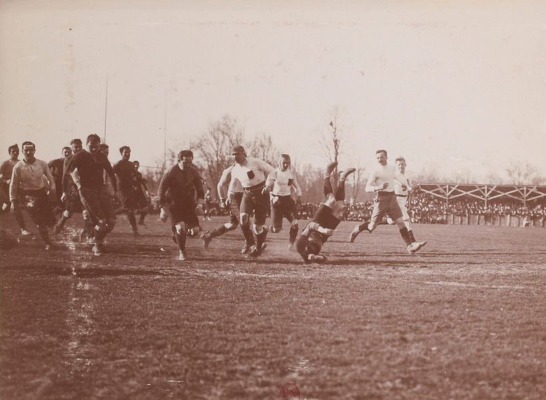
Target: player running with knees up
185,187
326,219
252,173
87,169
31,187
282,182
382,183
231,198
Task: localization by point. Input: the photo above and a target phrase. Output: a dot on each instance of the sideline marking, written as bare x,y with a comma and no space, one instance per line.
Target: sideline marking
472,285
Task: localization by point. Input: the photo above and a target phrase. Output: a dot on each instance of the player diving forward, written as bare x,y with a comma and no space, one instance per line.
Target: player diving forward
281,181
326,219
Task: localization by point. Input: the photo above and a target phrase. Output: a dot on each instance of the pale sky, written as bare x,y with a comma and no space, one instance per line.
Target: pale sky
451,85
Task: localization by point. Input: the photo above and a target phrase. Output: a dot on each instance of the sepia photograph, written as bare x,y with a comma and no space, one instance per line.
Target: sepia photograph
293,200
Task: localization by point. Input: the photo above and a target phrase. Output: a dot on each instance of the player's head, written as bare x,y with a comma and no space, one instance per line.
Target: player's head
125,152
93,143
76,145
66,151
285,162
13,151
239,154
185,158
29,149
381,156
137,164
400,164
104,149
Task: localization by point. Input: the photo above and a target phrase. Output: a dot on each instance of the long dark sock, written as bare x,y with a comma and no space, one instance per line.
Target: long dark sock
142,216
181,240
247,233
132,221
44,234
260,238
363,226
327,186
293,233
411,237
405,235
218,231
340,191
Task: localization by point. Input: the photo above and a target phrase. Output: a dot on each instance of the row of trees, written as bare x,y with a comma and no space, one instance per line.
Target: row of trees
212,151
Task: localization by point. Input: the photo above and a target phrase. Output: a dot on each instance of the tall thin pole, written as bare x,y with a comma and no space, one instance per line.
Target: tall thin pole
165,134
105,110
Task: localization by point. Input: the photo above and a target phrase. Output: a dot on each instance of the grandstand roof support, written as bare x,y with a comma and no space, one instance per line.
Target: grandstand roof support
485,193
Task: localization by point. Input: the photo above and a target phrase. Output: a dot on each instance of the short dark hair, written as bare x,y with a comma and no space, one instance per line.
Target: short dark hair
104,146
400,158
185,153
27,143
66,147
136,162
382,151
93,137
13,147
122,148
238,149
76,141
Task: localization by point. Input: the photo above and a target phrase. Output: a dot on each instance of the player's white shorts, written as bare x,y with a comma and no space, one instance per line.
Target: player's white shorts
402,201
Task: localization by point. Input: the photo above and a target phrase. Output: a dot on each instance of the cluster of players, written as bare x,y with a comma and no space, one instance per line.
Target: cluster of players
85,181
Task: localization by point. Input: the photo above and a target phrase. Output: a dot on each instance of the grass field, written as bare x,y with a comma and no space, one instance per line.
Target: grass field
465,319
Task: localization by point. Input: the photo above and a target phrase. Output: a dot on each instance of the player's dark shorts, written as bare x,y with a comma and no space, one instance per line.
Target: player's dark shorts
98,203
184,212
282,207
255,201
235,208
72,201
385,203
37,203
325,217
130,198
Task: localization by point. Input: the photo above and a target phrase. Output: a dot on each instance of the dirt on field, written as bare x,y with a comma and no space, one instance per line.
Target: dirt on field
463,319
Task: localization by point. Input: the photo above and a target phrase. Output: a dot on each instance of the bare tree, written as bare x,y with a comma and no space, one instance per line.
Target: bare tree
262,147
213,148
522,173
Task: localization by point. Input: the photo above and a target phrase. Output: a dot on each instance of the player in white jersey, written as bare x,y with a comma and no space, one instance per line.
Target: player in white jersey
252,173
229,198
402,189
382,182
281,182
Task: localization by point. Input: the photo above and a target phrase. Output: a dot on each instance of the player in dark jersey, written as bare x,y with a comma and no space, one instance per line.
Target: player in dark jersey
70,196
57,168
326,219
143,198
128,186
185,186
87,170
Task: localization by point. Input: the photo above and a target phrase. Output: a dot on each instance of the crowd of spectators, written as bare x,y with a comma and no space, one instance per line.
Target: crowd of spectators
424,208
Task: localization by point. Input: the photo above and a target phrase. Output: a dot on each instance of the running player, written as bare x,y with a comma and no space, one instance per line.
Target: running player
231,198
57,168
184,183
71,196
252,173
87,168
30,187
128,186
381,182
142,194
281,182
402,189
326,219
6,171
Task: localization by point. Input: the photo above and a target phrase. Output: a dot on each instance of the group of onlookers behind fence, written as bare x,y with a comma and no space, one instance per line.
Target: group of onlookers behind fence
427,209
